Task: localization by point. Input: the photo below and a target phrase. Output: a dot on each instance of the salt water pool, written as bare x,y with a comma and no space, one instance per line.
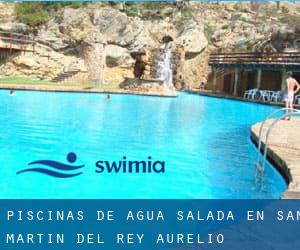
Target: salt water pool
203,141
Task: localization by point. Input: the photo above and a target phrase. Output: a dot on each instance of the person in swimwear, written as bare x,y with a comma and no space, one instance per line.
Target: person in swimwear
292,88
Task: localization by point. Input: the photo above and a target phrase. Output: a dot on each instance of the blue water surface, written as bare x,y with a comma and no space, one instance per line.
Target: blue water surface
204,142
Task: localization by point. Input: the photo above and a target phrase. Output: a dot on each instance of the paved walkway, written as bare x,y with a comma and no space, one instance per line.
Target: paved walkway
81,89
284,151
227,96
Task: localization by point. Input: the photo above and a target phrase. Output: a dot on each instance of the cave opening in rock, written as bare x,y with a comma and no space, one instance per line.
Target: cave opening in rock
167,39
140,64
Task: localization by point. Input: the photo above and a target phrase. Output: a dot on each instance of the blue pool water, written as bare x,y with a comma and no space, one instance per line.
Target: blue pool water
204,142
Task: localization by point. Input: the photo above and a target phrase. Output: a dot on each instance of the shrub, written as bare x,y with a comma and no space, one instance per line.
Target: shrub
32,14
38,13
208,31
284,10
290,19
132,12
187,13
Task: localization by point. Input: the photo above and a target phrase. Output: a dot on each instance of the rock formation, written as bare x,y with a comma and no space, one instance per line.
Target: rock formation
131,41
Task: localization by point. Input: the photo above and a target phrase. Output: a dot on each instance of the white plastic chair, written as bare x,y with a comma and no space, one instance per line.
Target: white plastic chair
275,96
263,95
253,94
250,94
246,94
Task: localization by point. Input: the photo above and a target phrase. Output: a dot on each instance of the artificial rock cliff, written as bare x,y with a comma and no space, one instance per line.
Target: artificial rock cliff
131,43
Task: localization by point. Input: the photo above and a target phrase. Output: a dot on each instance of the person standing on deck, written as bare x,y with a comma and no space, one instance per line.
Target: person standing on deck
292,88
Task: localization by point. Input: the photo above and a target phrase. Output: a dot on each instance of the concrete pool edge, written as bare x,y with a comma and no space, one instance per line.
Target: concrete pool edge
74,89
282,157
234,98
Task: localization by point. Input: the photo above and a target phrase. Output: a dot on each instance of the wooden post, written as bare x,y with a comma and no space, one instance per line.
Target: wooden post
10,42
33,44
236,81
283,80
214,83
231,83
258,78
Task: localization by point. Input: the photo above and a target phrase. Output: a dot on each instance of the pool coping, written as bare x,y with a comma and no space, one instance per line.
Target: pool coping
230,97
282,163
74,89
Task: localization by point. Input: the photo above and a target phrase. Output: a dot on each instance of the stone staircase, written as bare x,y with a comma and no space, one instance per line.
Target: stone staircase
65,76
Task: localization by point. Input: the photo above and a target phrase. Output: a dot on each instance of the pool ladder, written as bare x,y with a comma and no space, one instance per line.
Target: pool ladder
260,163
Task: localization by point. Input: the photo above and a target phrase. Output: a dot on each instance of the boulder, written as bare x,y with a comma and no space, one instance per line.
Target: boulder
52,40
73,17
111,23
246,17
153,87
136,36
14,27
25,61
220,34
76,27
194,69
192,38
118,56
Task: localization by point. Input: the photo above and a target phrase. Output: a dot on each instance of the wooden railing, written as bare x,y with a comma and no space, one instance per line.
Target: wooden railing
16,41
255,58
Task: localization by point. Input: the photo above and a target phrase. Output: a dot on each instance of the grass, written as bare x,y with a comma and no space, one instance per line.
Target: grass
22,81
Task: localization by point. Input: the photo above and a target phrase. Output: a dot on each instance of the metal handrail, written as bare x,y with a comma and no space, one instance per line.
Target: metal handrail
292,112
260,167
16,41
269,131
14,33
25,41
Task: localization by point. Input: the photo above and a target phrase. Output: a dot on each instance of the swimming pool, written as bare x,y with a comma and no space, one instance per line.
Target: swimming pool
204,142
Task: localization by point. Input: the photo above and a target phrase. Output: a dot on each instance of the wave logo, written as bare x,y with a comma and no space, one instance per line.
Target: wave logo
55,168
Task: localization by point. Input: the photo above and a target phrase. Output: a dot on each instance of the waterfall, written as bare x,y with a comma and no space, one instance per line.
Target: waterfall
165,71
